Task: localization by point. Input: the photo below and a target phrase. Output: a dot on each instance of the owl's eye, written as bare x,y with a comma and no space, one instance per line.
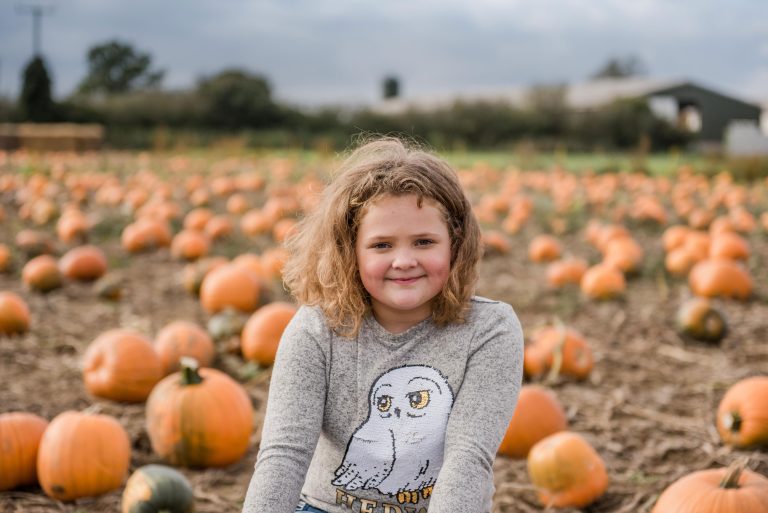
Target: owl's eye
419,399
384,402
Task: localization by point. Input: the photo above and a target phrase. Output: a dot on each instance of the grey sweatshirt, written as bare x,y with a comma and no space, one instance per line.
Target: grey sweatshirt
388,423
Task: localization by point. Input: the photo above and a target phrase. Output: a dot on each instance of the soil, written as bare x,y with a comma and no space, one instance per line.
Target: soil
647,407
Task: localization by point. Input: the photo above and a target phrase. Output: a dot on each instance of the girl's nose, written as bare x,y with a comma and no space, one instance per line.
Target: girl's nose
403,260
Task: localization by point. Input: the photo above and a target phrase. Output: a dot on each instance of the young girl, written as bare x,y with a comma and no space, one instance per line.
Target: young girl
393,385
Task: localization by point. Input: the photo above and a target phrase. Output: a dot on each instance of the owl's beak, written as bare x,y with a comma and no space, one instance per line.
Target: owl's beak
397,412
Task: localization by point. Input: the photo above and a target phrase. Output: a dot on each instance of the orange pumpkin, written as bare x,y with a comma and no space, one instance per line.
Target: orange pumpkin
197,218
544,248
729,245
72,226
121,365
33,243
20,435
723,278
183,338
229,285
42,274
261,333
145,234
625,253
721,490
566,345
199,418
218,227
674,237
679,261
742,416
495,243
538,414
567,271
194,272
566,471
14,314
190,245
82,455
603,281
83,263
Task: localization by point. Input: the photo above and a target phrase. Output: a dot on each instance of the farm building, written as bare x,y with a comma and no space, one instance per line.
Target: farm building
700,109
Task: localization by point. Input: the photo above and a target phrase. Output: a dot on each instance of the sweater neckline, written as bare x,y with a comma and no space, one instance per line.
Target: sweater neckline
380,332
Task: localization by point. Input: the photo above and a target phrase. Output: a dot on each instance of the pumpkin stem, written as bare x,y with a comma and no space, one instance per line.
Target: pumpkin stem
732,421
189,371
732,475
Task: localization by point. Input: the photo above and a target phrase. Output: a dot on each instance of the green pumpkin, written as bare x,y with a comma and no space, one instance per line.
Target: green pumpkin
157,489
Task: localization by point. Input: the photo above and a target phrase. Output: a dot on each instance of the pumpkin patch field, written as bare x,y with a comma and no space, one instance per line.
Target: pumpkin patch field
141,301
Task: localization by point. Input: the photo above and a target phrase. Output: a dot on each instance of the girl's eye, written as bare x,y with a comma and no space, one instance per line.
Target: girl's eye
380,245
424,242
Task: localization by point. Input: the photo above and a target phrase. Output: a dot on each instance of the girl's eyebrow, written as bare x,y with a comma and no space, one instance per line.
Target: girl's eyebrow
378,236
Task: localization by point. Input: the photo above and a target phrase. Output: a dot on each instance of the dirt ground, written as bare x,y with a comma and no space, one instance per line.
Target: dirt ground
648,406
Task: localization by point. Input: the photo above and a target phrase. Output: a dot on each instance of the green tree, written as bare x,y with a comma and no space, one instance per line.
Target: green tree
235,98
116,67
620,67
35,102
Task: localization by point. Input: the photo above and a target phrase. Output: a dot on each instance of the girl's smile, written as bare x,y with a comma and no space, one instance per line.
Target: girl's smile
404,258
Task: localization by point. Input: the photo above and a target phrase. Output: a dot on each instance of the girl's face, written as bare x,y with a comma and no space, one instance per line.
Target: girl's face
404,258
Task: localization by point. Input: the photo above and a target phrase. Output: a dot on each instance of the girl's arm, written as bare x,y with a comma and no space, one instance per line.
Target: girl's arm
480,415
293,419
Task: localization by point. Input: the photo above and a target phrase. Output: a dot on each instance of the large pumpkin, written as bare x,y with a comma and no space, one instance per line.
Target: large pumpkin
721,278
20,435
82,455
121,365
229,285
42,274
84,263
14,314
563,348
538,414
261,334
722,490
742,415
183,338
157,488
199,418
567,471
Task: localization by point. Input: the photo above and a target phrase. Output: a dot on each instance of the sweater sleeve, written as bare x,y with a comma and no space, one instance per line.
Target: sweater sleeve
294,417
480,416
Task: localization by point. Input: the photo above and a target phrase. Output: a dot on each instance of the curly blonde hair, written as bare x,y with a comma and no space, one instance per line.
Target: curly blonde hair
322,266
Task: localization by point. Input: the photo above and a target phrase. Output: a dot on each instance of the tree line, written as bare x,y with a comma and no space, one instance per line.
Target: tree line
122,91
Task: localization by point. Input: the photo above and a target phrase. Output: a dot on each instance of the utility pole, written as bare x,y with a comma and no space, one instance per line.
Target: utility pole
37,12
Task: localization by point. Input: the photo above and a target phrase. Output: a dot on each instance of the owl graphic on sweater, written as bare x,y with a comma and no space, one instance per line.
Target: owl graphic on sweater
398,449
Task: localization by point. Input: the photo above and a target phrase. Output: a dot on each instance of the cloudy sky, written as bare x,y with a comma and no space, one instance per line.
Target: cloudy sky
337,51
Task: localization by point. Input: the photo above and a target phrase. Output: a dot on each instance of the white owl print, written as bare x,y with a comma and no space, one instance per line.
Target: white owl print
398,450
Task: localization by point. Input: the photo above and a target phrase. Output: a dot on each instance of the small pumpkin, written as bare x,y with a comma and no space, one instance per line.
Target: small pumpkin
698,319
567,271
157,488
219,227
733,489
729,245
563,350
720,278
20,434
197,218
566,471
229,285
145,234
183,338
199,417
121,365
72,461
14,314
742,415
33,243
603,281
625,253
538,414
83,263
261,333
544,248
5,258
190,245
42,274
